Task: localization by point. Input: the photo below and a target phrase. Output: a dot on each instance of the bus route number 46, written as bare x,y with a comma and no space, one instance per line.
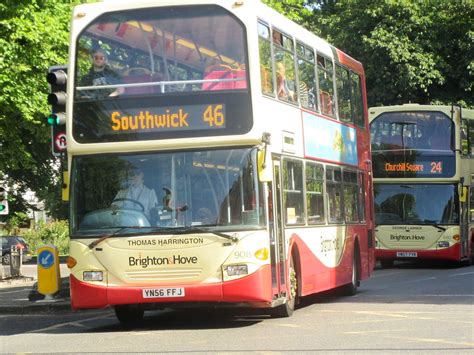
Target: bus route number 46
214,116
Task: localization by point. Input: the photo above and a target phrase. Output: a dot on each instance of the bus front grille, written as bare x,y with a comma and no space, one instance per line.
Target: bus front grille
164,275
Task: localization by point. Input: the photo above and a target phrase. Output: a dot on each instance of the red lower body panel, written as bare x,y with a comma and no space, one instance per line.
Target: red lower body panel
255,288
451,253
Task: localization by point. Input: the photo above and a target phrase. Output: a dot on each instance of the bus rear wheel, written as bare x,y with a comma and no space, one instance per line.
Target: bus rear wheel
351,288
286,309
129,314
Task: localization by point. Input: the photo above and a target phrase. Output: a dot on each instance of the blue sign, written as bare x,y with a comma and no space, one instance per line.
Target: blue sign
329,140
46,259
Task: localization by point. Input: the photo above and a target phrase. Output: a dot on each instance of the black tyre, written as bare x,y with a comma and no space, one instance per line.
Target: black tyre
386,263
286,309
6,260
351,288
129,314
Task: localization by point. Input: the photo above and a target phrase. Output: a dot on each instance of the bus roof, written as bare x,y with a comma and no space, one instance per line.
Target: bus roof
247,8
376,111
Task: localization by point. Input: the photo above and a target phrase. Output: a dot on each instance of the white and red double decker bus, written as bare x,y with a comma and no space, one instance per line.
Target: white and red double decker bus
251,141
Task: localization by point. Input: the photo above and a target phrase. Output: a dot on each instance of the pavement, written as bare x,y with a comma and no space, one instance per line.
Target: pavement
19,295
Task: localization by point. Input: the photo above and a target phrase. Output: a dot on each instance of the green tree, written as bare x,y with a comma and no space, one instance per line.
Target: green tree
33,36
413,51
295,10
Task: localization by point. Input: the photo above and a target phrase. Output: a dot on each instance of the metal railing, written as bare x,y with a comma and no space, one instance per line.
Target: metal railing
12,263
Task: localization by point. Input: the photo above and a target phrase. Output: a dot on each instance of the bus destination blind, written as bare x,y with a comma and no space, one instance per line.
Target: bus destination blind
166,119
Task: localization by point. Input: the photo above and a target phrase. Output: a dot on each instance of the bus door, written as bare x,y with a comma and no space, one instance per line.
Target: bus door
277,239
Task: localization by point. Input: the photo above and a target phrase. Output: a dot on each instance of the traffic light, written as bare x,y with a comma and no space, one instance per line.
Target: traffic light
57,79
3,201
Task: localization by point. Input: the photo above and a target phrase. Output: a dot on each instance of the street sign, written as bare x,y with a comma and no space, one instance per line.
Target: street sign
46,259
49,278
60,143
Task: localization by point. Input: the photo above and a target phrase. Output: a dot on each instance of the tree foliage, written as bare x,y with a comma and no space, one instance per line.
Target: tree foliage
34,35
412,51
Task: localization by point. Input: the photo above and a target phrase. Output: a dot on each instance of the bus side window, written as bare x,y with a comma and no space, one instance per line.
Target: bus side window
293,198
306,75
343,84
314,178
334,194
326,87
266,68
285,78
357,104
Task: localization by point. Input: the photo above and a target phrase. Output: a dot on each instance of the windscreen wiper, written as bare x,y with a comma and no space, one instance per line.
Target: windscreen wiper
118,231
434,224
187,230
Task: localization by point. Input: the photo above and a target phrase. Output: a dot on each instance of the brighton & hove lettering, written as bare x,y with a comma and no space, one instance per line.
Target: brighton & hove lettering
154,261
406,237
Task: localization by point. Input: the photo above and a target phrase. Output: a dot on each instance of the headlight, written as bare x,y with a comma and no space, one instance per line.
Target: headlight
443,244
93,276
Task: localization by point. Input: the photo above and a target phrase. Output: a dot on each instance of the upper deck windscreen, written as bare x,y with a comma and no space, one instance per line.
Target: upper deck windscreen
412,144
157,73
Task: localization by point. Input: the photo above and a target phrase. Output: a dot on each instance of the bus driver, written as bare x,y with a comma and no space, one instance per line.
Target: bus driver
137,196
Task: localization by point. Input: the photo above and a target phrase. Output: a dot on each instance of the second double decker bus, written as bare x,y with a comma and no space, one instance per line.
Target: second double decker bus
423,165
218,154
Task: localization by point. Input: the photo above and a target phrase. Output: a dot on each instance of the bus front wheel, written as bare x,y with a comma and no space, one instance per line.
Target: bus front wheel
129,314
286,309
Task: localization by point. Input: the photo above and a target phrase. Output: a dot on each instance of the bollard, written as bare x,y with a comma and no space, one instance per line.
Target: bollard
49,278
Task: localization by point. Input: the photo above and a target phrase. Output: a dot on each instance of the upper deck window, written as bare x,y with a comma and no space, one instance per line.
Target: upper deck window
161,73
412,130
283,52
161,50
306,73
266,67
326,86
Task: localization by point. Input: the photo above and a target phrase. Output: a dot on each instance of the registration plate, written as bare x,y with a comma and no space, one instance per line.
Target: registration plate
407,254
163,292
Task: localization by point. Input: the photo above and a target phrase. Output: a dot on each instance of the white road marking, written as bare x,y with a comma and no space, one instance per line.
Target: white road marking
464,273
75,323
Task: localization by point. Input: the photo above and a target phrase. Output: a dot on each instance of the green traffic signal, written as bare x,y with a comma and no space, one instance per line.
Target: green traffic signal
52,120
2,207
57,119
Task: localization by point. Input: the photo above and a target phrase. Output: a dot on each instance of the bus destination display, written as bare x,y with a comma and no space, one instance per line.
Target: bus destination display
432,167
173,118
428,166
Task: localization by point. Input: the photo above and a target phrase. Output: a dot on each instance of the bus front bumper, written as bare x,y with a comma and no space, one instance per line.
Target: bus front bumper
252,289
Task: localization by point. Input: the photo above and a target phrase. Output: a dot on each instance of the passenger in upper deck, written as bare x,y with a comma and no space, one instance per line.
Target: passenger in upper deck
101,74
283,90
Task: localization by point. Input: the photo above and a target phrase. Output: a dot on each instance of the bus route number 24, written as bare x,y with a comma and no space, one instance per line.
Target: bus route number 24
214,116
436,167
